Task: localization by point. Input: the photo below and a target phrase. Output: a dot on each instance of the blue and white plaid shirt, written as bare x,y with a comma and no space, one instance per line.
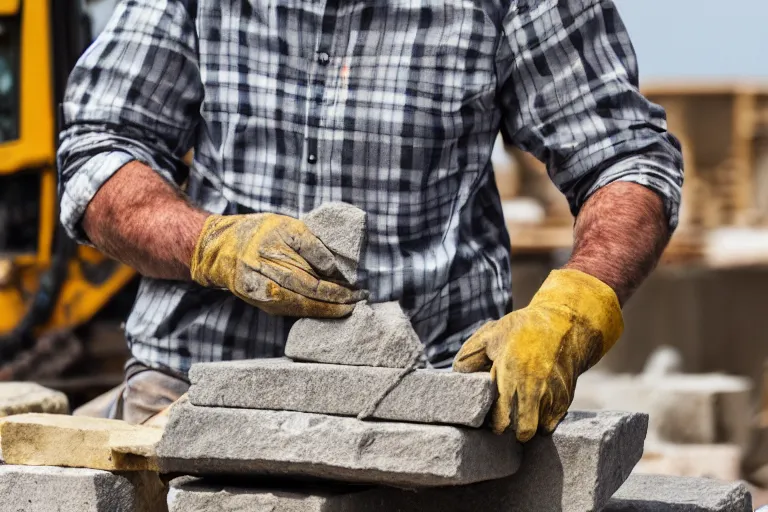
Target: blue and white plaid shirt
390,105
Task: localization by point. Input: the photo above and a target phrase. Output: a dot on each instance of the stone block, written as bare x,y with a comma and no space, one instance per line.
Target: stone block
575,470
696,409
202,495
341,227
657,493
719,461
424,396
21,397
78,441
214,440
53,489
373,335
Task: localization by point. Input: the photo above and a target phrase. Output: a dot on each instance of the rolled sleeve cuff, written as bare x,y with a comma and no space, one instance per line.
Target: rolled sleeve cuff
659,177
80,189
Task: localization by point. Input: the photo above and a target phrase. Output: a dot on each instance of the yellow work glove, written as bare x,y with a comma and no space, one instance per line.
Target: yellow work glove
274,263
536,354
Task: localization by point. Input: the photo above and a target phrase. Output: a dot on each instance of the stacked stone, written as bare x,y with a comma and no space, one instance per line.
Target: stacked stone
356,422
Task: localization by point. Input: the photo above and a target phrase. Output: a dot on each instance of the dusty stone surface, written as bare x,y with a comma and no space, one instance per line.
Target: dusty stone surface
578,468
200,495
424,396
373,335
656,493
718,461
21,397
696,409
575,470
78,441
341,227
52,489
213,440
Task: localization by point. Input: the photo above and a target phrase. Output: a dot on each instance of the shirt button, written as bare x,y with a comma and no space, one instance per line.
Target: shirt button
323,58
312,158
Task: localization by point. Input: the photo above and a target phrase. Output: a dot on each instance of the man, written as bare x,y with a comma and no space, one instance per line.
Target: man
392,106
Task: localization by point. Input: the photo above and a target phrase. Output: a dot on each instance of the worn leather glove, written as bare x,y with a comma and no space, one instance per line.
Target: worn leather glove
536,354
274,263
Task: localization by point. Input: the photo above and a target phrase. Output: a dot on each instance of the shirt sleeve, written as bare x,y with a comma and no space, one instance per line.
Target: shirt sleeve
569,93
135,94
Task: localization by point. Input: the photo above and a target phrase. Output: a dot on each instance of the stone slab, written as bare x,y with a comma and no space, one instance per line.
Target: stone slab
341,227
78,441
373,335
424,396
53,489
21,397
696,409
656,493
575,470
719,461
215,440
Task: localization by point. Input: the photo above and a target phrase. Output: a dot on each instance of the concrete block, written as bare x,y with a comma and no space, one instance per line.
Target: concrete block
78,441
424,396
211,440
21,397
575,470
373,335
341,227
52,489
696,409
656,493
719,461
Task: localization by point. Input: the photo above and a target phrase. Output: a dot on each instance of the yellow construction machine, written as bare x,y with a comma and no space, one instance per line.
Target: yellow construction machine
49,286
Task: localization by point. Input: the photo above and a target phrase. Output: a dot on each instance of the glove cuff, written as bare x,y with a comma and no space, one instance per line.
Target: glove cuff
204,256
586,297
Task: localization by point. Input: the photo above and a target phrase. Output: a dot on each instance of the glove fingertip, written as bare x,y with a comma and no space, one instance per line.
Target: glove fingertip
500,418
471,364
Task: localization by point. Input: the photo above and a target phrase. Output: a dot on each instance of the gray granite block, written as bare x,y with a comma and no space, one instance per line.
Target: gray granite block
575,470
215,440
341,227
373,335
203,495
659,493
53,489
23,397
424,396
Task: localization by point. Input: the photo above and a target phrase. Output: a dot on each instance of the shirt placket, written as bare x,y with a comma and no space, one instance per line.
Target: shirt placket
317,90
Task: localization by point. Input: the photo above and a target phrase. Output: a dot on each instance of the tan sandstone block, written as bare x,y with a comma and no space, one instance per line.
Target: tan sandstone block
22,397
78,441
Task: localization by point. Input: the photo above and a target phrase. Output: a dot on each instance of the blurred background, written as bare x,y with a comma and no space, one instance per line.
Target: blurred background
696,341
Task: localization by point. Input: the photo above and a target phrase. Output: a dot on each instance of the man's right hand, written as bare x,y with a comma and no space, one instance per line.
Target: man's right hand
274,263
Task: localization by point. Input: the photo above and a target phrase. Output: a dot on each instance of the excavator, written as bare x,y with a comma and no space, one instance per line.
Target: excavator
52,291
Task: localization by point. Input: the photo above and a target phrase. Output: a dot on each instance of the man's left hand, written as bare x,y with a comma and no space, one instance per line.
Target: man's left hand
536,354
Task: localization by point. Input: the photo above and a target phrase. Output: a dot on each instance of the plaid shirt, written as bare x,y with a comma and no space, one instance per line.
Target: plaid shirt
392,106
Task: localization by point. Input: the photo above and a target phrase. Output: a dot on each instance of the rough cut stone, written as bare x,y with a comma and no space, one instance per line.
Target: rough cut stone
78,441
211,440
575,470
424,396
341,227
204,496
373,335
697,409
21,397
656,493
52,489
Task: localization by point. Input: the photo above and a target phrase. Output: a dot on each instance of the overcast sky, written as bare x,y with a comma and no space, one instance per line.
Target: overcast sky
698,38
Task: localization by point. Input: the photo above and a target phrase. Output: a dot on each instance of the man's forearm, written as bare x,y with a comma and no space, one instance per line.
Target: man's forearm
138,218
619,236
